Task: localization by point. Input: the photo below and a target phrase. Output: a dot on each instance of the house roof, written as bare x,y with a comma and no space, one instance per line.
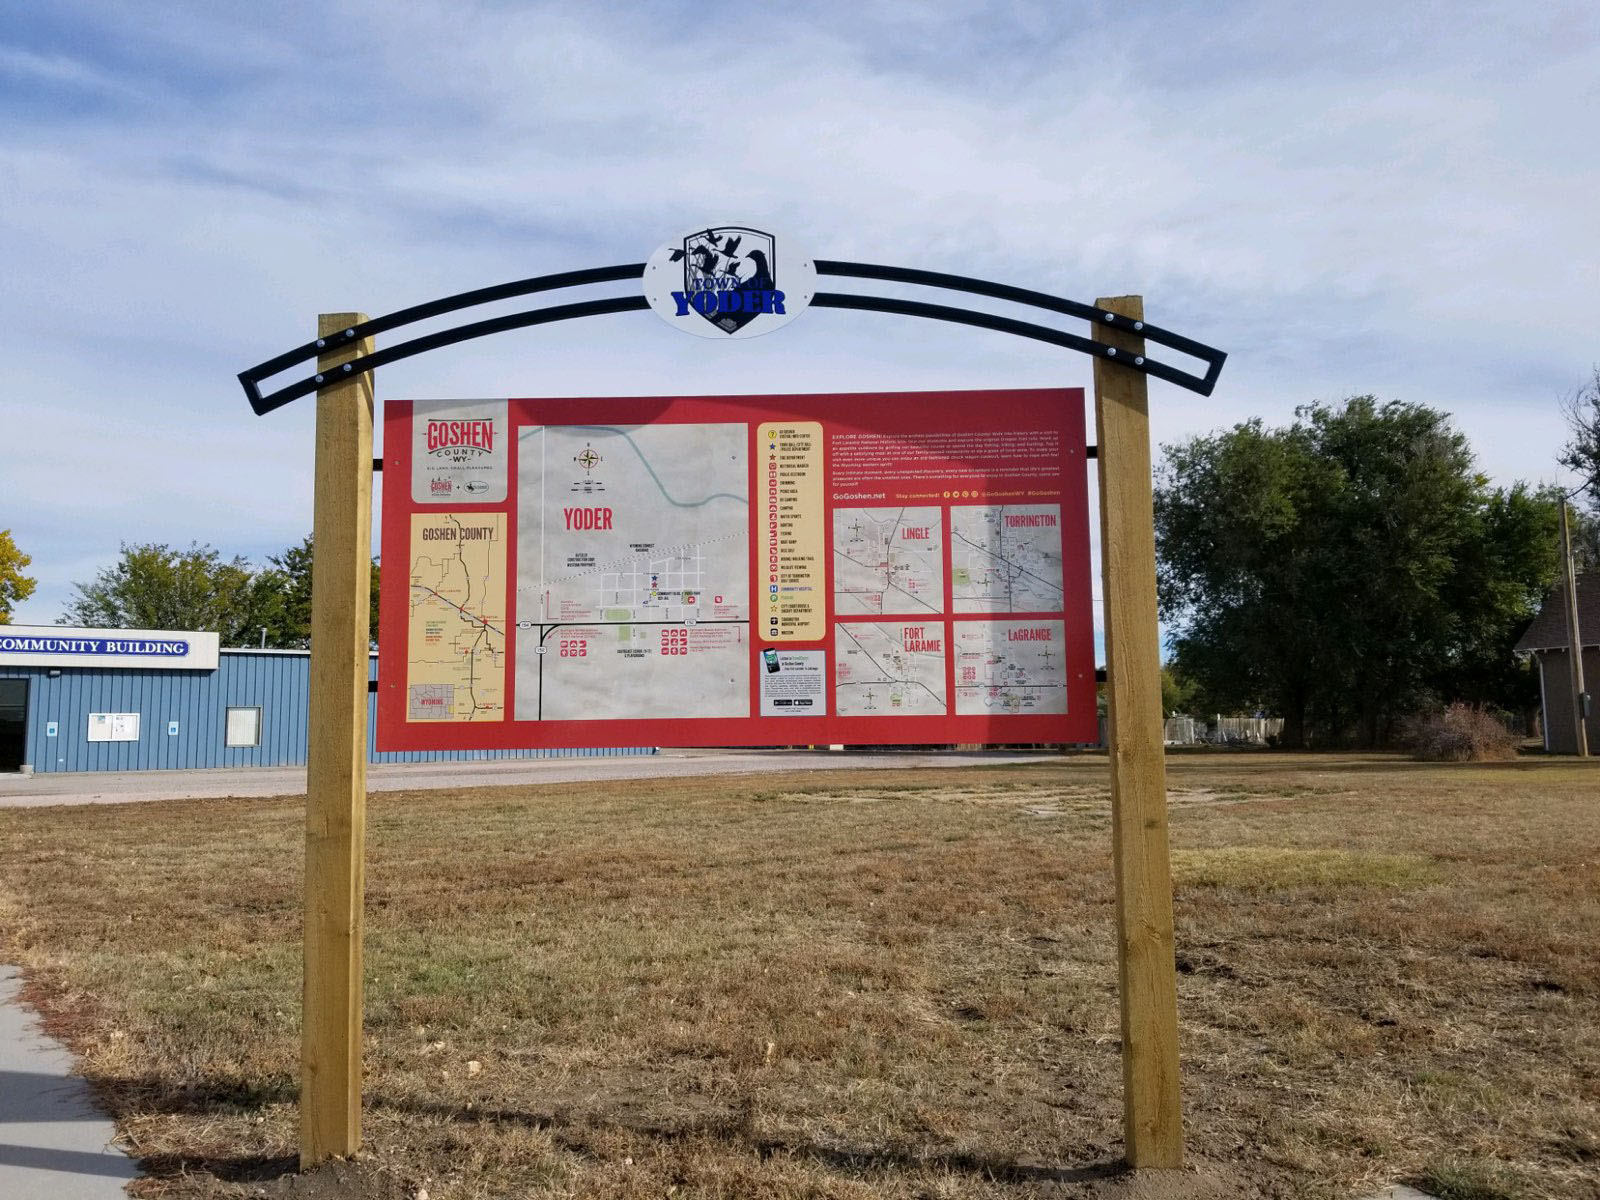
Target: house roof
1549,628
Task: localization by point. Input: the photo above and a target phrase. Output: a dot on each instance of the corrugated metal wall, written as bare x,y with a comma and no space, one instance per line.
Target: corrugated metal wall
277,683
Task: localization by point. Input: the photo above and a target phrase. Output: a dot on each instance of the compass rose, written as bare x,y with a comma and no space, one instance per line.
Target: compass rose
588,459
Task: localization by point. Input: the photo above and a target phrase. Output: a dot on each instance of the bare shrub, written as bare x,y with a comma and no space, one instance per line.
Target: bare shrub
1459,733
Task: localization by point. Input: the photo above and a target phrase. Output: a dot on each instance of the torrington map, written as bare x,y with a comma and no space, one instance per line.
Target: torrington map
1006,558
633,552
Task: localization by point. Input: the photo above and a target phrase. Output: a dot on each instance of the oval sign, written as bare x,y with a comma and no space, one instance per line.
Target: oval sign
729,281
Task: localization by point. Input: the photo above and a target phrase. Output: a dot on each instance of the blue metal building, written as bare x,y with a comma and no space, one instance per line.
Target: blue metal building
249,711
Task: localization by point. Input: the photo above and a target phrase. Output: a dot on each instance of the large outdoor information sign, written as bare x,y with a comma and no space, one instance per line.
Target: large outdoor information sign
774,570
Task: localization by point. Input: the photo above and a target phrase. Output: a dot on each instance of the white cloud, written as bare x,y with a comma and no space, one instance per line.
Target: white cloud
1355,199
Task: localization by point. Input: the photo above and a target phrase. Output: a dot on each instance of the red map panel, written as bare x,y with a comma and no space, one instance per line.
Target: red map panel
874,569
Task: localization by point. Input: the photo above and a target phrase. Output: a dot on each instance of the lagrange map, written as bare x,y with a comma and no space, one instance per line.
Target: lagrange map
1010,667
633,572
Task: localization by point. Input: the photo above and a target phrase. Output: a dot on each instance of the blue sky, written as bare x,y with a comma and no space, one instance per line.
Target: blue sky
1397,199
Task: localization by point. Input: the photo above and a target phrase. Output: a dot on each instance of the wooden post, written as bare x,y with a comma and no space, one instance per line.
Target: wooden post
1574,637
336,763
1152,1117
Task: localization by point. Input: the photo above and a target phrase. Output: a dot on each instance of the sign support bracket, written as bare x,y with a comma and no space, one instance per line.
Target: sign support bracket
1146,968
336,764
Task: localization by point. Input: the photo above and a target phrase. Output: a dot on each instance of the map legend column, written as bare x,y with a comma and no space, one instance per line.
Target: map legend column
794,607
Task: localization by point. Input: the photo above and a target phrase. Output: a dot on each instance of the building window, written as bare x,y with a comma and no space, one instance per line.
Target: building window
244,727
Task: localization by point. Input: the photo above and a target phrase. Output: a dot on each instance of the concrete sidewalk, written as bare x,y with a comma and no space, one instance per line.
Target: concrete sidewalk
107,787
53,1141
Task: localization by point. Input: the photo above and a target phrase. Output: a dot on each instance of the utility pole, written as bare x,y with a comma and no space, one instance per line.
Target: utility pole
1574,639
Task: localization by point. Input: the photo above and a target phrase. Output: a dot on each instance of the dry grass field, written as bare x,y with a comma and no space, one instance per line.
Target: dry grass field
895,984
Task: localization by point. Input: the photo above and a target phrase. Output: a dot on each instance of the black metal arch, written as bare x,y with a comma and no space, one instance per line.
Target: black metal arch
1203,384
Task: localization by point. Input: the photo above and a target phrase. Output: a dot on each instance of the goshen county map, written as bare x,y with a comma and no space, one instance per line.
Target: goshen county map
456,640
633,571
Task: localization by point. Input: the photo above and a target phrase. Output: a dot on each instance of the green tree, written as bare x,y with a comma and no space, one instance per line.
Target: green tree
1178,692
287,577
15,587
1582,455
1582,451
153,586
287,580
1503,571
1347,570
1584,529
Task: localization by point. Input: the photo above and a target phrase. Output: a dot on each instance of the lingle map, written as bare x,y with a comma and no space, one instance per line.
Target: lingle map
901,568
888,560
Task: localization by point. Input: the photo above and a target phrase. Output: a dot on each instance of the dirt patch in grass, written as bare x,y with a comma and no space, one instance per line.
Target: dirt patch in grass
770,987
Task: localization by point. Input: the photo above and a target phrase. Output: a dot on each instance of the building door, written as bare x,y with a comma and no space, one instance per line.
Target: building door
13,723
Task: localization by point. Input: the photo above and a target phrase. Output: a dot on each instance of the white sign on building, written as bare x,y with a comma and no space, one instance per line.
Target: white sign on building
68,646
113,727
